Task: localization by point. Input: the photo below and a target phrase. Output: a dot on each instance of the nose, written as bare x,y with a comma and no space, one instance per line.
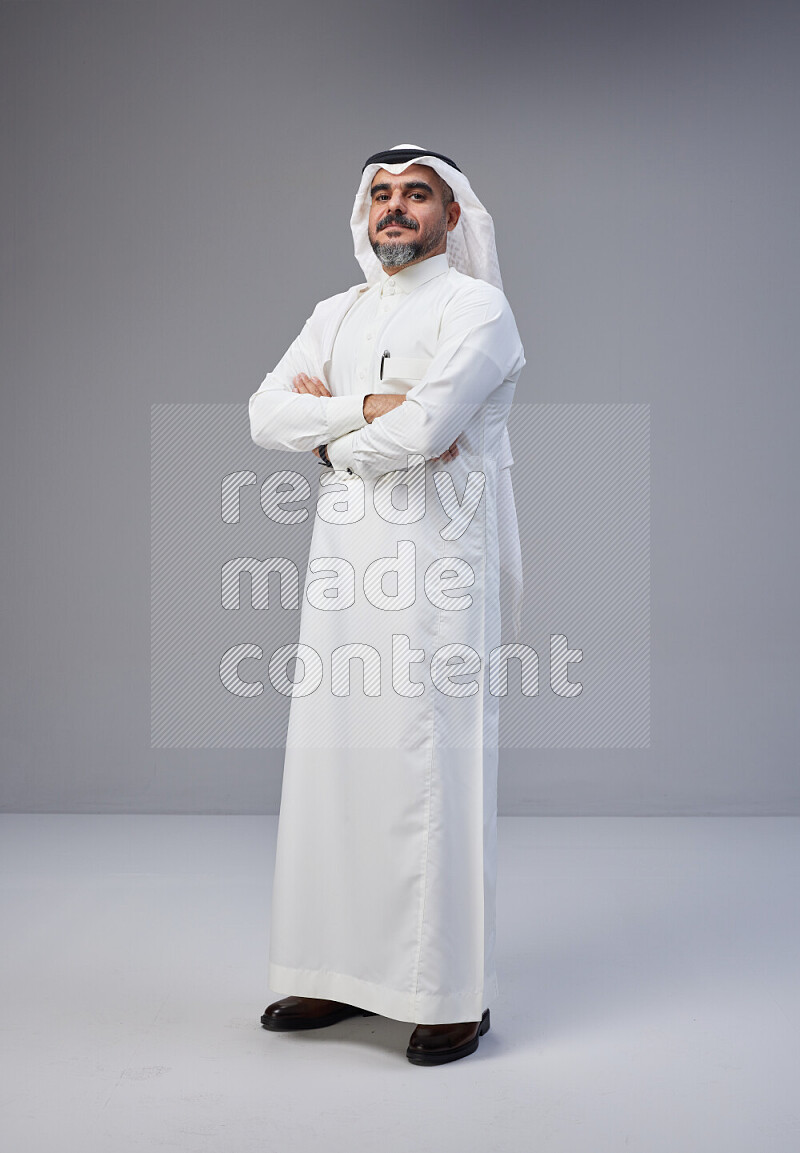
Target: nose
396,202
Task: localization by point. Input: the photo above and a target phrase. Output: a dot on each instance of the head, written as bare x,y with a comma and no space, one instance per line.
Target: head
410,216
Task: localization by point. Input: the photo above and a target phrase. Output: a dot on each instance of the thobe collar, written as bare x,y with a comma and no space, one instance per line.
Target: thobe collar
407,279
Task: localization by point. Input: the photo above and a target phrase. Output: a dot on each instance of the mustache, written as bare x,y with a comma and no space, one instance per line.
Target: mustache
388,221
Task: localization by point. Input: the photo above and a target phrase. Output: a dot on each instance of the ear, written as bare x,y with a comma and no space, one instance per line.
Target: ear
453,214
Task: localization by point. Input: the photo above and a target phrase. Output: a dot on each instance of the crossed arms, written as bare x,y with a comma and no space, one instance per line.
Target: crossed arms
375,404
478,349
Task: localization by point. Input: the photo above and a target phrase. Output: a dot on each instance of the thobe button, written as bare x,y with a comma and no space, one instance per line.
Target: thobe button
361,374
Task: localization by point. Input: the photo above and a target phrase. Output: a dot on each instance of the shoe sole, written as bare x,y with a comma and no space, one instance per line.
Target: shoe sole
418,1058
294,1025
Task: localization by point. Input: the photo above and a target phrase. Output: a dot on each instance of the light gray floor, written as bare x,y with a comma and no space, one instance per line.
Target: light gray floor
648,968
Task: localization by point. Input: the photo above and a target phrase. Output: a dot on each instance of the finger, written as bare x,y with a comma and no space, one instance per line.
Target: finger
311,385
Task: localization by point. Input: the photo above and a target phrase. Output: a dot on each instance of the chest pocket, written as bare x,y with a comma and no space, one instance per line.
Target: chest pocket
401,373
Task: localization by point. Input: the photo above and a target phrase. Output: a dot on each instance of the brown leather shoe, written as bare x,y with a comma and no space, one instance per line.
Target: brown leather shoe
292,1013
436,1044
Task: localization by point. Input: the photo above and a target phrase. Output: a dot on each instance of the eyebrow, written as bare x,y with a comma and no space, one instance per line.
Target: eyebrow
407,187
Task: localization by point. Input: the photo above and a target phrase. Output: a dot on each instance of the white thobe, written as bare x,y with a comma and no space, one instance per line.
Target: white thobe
384,887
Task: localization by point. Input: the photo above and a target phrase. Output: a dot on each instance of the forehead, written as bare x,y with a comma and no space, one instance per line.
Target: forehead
413,172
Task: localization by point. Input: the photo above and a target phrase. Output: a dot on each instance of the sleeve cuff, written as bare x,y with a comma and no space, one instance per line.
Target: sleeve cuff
345,413
340,452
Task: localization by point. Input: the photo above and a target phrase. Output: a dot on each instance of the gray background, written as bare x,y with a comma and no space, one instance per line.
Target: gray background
177,180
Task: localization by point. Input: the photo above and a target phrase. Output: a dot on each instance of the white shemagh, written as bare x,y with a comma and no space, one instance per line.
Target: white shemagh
471,249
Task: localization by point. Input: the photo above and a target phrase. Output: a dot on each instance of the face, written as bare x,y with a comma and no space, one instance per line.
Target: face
408,220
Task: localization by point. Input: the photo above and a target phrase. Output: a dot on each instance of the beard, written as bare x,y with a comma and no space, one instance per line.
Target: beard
397,253
394,254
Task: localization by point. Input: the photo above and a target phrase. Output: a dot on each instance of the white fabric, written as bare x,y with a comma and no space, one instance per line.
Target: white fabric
384,890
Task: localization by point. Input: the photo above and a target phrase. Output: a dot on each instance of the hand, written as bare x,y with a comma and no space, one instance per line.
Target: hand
378,403
311,385
449,453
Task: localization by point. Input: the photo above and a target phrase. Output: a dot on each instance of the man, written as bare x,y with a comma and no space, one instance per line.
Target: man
384,889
